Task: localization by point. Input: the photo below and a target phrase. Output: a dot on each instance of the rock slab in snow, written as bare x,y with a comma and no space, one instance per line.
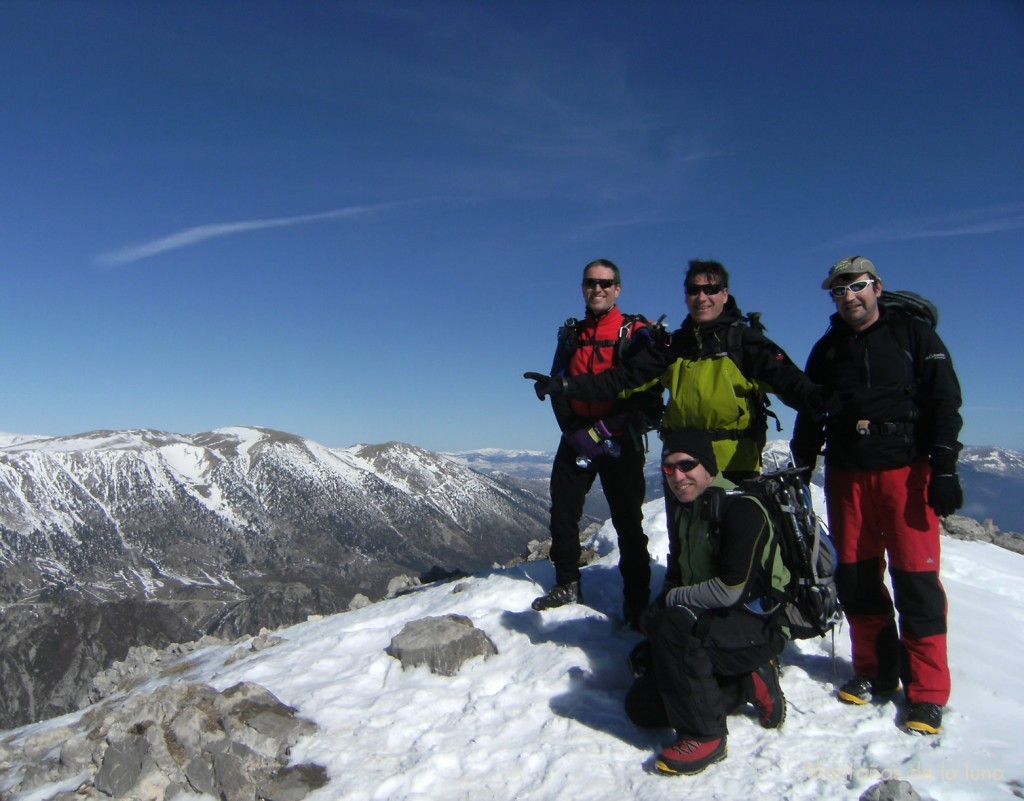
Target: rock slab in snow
441,643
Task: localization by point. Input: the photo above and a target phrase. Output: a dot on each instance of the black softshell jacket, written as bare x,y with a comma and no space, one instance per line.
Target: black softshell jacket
898,376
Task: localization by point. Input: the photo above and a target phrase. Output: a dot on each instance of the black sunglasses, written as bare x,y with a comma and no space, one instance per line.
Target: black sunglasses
682,466
708,289
604,283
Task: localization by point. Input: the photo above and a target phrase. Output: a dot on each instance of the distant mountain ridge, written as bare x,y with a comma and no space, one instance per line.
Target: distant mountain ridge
993,478
163,507
117,538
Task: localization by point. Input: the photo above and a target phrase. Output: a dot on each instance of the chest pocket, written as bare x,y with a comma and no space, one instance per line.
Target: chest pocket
710,393
874,375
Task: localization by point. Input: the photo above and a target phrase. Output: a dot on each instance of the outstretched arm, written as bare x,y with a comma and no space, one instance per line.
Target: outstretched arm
638,369
767,363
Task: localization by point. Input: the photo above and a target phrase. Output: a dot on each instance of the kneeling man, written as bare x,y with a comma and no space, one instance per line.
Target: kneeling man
711,649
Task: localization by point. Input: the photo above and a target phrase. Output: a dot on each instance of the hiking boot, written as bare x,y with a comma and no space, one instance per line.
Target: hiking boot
632,614
768,698
687,756
863,689
924,718
560,595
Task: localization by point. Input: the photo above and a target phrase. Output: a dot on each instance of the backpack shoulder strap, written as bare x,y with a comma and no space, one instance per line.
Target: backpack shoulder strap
734,347
630,323
568,337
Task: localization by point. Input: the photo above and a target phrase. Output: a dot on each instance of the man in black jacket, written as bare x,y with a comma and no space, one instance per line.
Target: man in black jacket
890,472
711,649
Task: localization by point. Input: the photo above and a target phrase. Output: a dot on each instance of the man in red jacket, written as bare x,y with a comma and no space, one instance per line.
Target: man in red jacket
600,438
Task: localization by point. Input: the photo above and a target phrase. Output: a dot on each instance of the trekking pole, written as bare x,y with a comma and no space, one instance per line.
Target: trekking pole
834,677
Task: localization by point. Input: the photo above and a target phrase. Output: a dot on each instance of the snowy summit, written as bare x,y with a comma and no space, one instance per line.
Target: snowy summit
543,719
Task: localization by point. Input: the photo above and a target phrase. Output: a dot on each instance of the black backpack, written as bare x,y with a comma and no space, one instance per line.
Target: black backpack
645,408
568,335
901,301
808,606
908,305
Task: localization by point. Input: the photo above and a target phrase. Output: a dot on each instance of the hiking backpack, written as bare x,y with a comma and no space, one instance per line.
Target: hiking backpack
809,604
568,335
910,303
651,406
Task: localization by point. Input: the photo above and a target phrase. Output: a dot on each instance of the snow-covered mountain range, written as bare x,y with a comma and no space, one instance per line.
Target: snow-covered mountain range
143,511
116,537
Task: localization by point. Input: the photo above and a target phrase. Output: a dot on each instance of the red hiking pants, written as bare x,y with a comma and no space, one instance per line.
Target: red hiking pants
877,513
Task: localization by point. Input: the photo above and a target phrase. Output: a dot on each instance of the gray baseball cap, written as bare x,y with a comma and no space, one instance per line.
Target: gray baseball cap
855,265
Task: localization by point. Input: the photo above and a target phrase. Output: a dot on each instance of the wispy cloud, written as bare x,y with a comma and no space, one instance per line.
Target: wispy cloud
203,233
971,222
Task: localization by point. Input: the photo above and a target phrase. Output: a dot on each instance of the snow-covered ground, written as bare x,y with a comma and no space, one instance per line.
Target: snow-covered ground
543,719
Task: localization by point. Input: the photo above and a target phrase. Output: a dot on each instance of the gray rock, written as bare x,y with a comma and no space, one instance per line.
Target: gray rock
176,741
441,643
891,790
294,783
123,765
967,528
199,773
44,741
401,584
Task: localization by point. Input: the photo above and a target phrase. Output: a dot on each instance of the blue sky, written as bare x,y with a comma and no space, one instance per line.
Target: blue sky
362,221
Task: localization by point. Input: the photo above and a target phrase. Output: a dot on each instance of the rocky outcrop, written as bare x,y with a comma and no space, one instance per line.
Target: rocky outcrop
966,528
443,644
181,739
891,790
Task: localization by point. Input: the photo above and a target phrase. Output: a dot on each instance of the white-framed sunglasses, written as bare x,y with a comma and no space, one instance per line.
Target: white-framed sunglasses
856,288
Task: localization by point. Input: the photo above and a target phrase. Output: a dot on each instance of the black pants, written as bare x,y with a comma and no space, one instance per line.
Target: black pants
623,483
701,669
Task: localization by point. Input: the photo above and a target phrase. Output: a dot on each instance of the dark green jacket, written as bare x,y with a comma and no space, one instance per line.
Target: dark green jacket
719,547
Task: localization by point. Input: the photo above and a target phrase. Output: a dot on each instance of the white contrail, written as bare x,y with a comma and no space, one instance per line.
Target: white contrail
201,233
971,222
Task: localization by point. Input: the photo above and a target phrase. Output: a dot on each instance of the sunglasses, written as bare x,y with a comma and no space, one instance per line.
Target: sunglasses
604,283
856,288
682,466
708,289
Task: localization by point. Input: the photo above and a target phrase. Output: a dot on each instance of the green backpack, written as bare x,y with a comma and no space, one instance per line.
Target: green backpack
808,604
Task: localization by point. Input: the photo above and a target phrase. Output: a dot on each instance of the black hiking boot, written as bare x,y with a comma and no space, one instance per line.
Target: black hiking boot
924,718
632,614
863,689
560,595
768,698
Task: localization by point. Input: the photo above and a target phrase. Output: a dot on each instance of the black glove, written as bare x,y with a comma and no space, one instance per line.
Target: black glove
945,495
545,385
802,459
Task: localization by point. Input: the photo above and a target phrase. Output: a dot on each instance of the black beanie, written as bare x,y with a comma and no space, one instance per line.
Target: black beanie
693,441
